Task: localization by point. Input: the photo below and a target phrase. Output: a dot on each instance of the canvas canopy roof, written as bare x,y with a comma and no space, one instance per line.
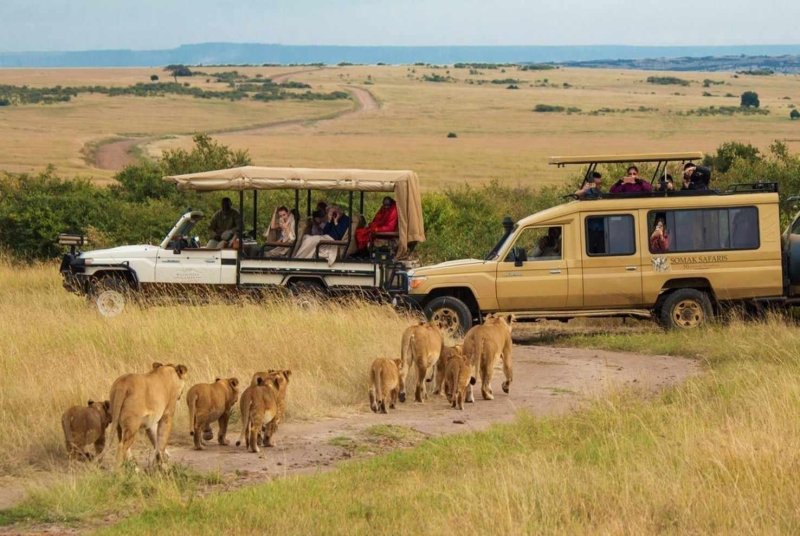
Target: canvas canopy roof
404,184
625,158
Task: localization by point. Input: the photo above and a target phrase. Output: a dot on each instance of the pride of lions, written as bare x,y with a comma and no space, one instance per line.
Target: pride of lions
147,401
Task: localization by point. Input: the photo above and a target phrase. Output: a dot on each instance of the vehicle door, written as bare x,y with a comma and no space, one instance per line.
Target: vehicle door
612,272
534,276
190,266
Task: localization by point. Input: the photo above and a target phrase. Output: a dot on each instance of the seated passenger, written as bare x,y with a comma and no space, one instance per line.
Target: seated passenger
591,187
631,183
337,229
385,221
223,225
283,222
318,221
695,177
659,239
550,244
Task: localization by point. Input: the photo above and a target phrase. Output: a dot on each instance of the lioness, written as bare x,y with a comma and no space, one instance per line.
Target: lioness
83,425
384,378
444,356
146,401
209,402
421,346
262,407
458,375
483,346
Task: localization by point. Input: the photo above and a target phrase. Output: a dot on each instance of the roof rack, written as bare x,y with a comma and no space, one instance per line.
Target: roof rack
752,187
625,158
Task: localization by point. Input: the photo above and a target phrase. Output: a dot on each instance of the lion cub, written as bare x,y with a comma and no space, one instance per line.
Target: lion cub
209,402
384,379
263,406
86,424
444,357
458,375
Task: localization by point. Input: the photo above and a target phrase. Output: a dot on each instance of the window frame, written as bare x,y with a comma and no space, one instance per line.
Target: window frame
601,255
527,253
728,208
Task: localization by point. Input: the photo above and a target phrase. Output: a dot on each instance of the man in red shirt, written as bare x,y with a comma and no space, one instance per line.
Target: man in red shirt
385,221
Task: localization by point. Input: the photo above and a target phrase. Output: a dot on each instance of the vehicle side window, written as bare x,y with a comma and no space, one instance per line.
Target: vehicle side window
610,235
706,229
538,243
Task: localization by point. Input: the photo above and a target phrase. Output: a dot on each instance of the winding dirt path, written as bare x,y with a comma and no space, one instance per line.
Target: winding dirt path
117,154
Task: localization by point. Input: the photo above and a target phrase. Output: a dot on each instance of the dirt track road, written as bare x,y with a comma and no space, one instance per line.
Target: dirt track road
547,381
118,154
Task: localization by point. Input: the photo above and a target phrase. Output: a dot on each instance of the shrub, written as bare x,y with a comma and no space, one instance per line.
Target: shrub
667,80
452,135
794,114
749,99
728,153
544,108
154,78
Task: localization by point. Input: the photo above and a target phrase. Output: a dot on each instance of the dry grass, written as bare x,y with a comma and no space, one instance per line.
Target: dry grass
715,455
55,352
498,134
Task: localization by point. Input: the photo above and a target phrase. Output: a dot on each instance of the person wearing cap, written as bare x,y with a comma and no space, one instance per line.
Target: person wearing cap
631,183
695,177
591,187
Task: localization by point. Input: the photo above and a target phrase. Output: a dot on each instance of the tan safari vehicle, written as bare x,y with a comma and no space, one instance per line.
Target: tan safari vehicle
599,258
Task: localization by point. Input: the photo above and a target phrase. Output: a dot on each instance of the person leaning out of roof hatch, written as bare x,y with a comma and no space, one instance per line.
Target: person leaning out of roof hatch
631,183
591,187
695,177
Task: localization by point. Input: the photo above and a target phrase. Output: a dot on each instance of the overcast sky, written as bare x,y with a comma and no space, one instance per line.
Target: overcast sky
154,24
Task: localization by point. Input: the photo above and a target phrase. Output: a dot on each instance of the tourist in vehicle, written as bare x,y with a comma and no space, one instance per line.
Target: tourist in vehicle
549,245
223,225
591,187
666,184
659,239
385,221
335,230
696,177
318,221
631,183
283,223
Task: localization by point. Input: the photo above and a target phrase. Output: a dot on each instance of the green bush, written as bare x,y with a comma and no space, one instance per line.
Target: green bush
667,81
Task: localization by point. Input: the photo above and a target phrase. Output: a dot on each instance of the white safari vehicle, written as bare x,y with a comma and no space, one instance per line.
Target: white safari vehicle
180,264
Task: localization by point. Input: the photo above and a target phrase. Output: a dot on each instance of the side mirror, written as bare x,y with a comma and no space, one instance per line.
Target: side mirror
519,255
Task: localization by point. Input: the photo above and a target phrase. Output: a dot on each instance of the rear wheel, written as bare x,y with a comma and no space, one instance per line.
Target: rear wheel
685,308
307,292
450,314
110,295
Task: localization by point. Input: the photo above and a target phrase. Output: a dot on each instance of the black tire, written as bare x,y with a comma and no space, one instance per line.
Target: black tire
110,295
685,308
451,314
307,292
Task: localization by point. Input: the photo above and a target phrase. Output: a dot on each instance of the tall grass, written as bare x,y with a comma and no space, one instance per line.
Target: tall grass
716,455
55,351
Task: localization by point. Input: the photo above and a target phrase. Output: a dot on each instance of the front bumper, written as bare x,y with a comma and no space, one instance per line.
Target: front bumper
72,272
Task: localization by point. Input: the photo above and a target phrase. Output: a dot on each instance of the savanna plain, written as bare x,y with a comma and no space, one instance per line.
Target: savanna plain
715,453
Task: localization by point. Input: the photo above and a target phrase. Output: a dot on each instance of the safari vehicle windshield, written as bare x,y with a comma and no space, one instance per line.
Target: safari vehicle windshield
508,229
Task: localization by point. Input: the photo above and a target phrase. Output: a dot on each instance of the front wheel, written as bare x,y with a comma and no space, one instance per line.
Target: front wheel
450,314
685,308
110,295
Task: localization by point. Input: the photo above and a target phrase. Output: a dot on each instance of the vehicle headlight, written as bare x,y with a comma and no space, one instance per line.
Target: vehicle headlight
87,260
416,281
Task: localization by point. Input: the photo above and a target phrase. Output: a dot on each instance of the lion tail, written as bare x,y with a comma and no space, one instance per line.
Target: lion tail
378,382
191,401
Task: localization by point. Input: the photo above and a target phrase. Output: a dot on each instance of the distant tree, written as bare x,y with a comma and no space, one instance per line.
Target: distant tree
154,78
177,70
452,135
794,114
750,100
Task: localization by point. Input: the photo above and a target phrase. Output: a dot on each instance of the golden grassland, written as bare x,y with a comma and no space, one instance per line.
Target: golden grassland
55,351
499,137
716,454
